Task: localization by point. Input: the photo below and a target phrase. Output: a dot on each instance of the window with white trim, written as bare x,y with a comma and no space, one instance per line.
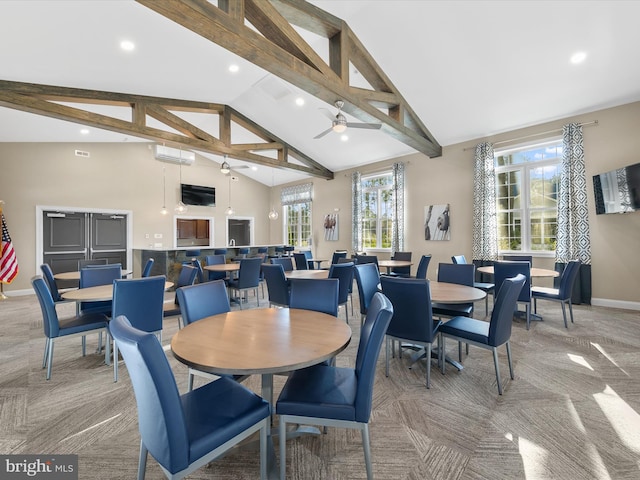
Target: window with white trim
377,211
297,213
527,181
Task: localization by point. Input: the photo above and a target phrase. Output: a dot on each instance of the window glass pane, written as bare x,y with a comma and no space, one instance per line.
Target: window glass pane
544,228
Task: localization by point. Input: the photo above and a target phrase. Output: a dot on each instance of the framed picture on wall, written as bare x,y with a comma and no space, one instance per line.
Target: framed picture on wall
331,227
437,222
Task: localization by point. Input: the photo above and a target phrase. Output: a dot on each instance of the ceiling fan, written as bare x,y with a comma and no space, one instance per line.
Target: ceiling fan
225,168
339,123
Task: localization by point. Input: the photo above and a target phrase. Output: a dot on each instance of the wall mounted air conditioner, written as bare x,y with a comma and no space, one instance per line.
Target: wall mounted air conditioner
174,155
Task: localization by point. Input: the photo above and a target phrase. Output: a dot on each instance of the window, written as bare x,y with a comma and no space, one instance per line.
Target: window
377,211
527,181
297,206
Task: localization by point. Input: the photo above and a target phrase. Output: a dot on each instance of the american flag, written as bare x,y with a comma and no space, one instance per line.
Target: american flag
8,260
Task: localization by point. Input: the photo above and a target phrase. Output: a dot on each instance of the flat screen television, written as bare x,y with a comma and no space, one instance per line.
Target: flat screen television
618,191
198,195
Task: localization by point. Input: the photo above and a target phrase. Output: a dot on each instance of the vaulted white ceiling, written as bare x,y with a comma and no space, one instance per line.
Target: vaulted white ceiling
467,68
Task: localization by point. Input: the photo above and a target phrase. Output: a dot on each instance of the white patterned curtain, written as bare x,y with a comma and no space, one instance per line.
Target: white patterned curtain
573,241
356,211
485,227
397,227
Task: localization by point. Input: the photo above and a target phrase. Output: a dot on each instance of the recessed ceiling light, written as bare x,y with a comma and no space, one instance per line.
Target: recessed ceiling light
254,168
234,68
84,131
578,57
127,45
344,138
300,101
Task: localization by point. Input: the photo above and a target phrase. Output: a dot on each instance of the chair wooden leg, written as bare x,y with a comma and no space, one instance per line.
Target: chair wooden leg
509,360
495,362
142,461
367,451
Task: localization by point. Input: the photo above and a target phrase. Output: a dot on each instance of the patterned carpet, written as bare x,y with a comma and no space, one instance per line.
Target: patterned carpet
571,412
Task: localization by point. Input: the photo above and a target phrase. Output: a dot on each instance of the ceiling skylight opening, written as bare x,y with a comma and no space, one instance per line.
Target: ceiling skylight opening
300,101
127,45
233,68
578,57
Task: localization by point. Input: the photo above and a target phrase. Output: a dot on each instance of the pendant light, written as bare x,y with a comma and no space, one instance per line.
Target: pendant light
273,215
164,210
180,207
229,210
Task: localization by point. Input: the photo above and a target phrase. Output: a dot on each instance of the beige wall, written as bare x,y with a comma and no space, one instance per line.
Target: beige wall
127,177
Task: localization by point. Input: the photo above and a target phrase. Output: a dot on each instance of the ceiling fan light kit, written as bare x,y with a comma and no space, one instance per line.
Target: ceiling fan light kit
339,122
224,168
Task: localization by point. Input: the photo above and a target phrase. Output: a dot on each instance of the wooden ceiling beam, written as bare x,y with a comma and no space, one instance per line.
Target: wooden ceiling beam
281,52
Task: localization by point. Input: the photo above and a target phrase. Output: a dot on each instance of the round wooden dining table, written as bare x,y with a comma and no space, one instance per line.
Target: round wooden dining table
306,274
223,267
75,275
443,292
99,293
389,264
535,272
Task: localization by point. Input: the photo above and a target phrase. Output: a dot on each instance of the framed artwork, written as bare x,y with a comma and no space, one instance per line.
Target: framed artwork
437,222
331,227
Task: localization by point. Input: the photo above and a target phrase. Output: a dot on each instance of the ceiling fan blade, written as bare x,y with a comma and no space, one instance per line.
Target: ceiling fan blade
320,135
239,167
371,126
328,114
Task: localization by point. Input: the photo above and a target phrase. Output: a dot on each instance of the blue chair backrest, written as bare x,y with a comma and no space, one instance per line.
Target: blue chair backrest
161,418
308,254
243,251
93,261
47,273
277,285
216,260
202,300
505,304
188,274
286,263
140,300
147,267
412,313
49,314
249,273
336,256
402,256
199,271
503,270
219,251
263,249
460,259
344,273
301,261
462,274
195,252
360,259
371,338
518,258
568,278
318,294
94,275
423,267
367,279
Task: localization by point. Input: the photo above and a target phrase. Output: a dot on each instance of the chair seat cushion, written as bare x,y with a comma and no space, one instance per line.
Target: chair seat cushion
468,328
545,292
169,309
487,287
212,412
452,309
320,391
82,323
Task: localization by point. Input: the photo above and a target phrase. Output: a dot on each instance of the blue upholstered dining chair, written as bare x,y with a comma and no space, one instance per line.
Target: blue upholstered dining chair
368,282
187,276
401,271
55,328
486,287
301,261
561,294
412,320
92,276
488,335
140,300
333,396
185,432
277,285
219,251
344,273
518,258
461,274
309,256
200,301
248,278
318,294
47,273
286,263
216,260
337,255
360,259
423,266
503,270
147,268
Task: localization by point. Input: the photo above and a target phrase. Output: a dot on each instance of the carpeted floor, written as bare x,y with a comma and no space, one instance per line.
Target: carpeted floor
571,413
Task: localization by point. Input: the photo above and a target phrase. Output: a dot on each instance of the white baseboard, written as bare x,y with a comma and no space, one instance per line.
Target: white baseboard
20,293
605,302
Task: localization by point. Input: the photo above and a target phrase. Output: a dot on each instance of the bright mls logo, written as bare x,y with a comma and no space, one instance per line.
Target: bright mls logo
50,467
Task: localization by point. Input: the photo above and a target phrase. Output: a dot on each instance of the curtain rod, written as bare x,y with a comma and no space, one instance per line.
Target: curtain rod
549,132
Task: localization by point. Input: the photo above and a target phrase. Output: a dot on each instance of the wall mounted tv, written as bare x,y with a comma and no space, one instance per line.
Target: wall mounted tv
198,195
618,191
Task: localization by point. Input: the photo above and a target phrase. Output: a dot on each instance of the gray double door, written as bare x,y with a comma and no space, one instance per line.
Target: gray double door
73,236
